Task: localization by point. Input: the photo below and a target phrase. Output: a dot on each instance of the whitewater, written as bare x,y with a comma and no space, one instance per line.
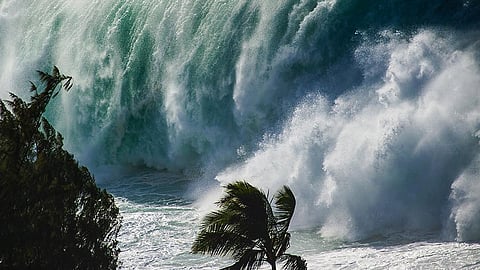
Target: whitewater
368,110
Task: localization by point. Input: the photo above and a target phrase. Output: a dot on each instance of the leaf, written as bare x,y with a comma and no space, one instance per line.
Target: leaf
55,72
284,244
252,259
246,228
68,84
219,241
293,262
44,77
54,95
284,208
33,87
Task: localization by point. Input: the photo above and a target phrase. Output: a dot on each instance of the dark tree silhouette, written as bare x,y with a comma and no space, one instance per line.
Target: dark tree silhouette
52,214
247,228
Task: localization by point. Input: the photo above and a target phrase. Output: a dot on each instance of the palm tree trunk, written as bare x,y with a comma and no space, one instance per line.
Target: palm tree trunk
274,265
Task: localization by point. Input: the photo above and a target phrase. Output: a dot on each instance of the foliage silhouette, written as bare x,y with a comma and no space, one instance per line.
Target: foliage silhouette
52,214
247,228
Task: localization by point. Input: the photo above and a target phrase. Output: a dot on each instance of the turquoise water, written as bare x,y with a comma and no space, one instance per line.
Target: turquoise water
368,110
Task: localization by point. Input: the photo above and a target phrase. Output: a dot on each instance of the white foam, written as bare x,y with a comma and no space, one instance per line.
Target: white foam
383,156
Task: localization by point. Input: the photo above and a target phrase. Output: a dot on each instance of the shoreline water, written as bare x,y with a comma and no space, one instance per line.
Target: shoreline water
159,228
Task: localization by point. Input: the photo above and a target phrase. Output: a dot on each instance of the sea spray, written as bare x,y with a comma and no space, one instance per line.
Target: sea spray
382,157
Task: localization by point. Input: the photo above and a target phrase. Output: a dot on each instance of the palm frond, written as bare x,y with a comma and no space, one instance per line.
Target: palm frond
68,84
222,217
293,262
218,241
283,245
251,207
33,87
251,260
243,194
230,220
44,77
247,228
55,72
55,94
284,208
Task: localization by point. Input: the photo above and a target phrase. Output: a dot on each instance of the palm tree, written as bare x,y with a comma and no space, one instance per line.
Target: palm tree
247,228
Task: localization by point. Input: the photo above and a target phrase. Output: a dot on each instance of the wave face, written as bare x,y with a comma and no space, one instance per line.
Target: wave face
369,110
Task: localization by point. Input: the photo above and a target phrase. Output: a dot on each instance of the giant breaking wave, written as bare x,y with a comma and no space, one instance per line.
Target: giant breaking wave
369,110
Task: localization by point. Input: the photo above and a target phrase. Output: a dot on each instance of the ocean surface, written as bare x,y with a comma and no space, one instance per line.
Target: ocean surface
369,111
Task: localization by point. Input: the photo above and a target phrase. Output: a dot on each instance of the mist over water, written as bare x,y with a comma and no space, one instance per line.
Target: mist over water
369,110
